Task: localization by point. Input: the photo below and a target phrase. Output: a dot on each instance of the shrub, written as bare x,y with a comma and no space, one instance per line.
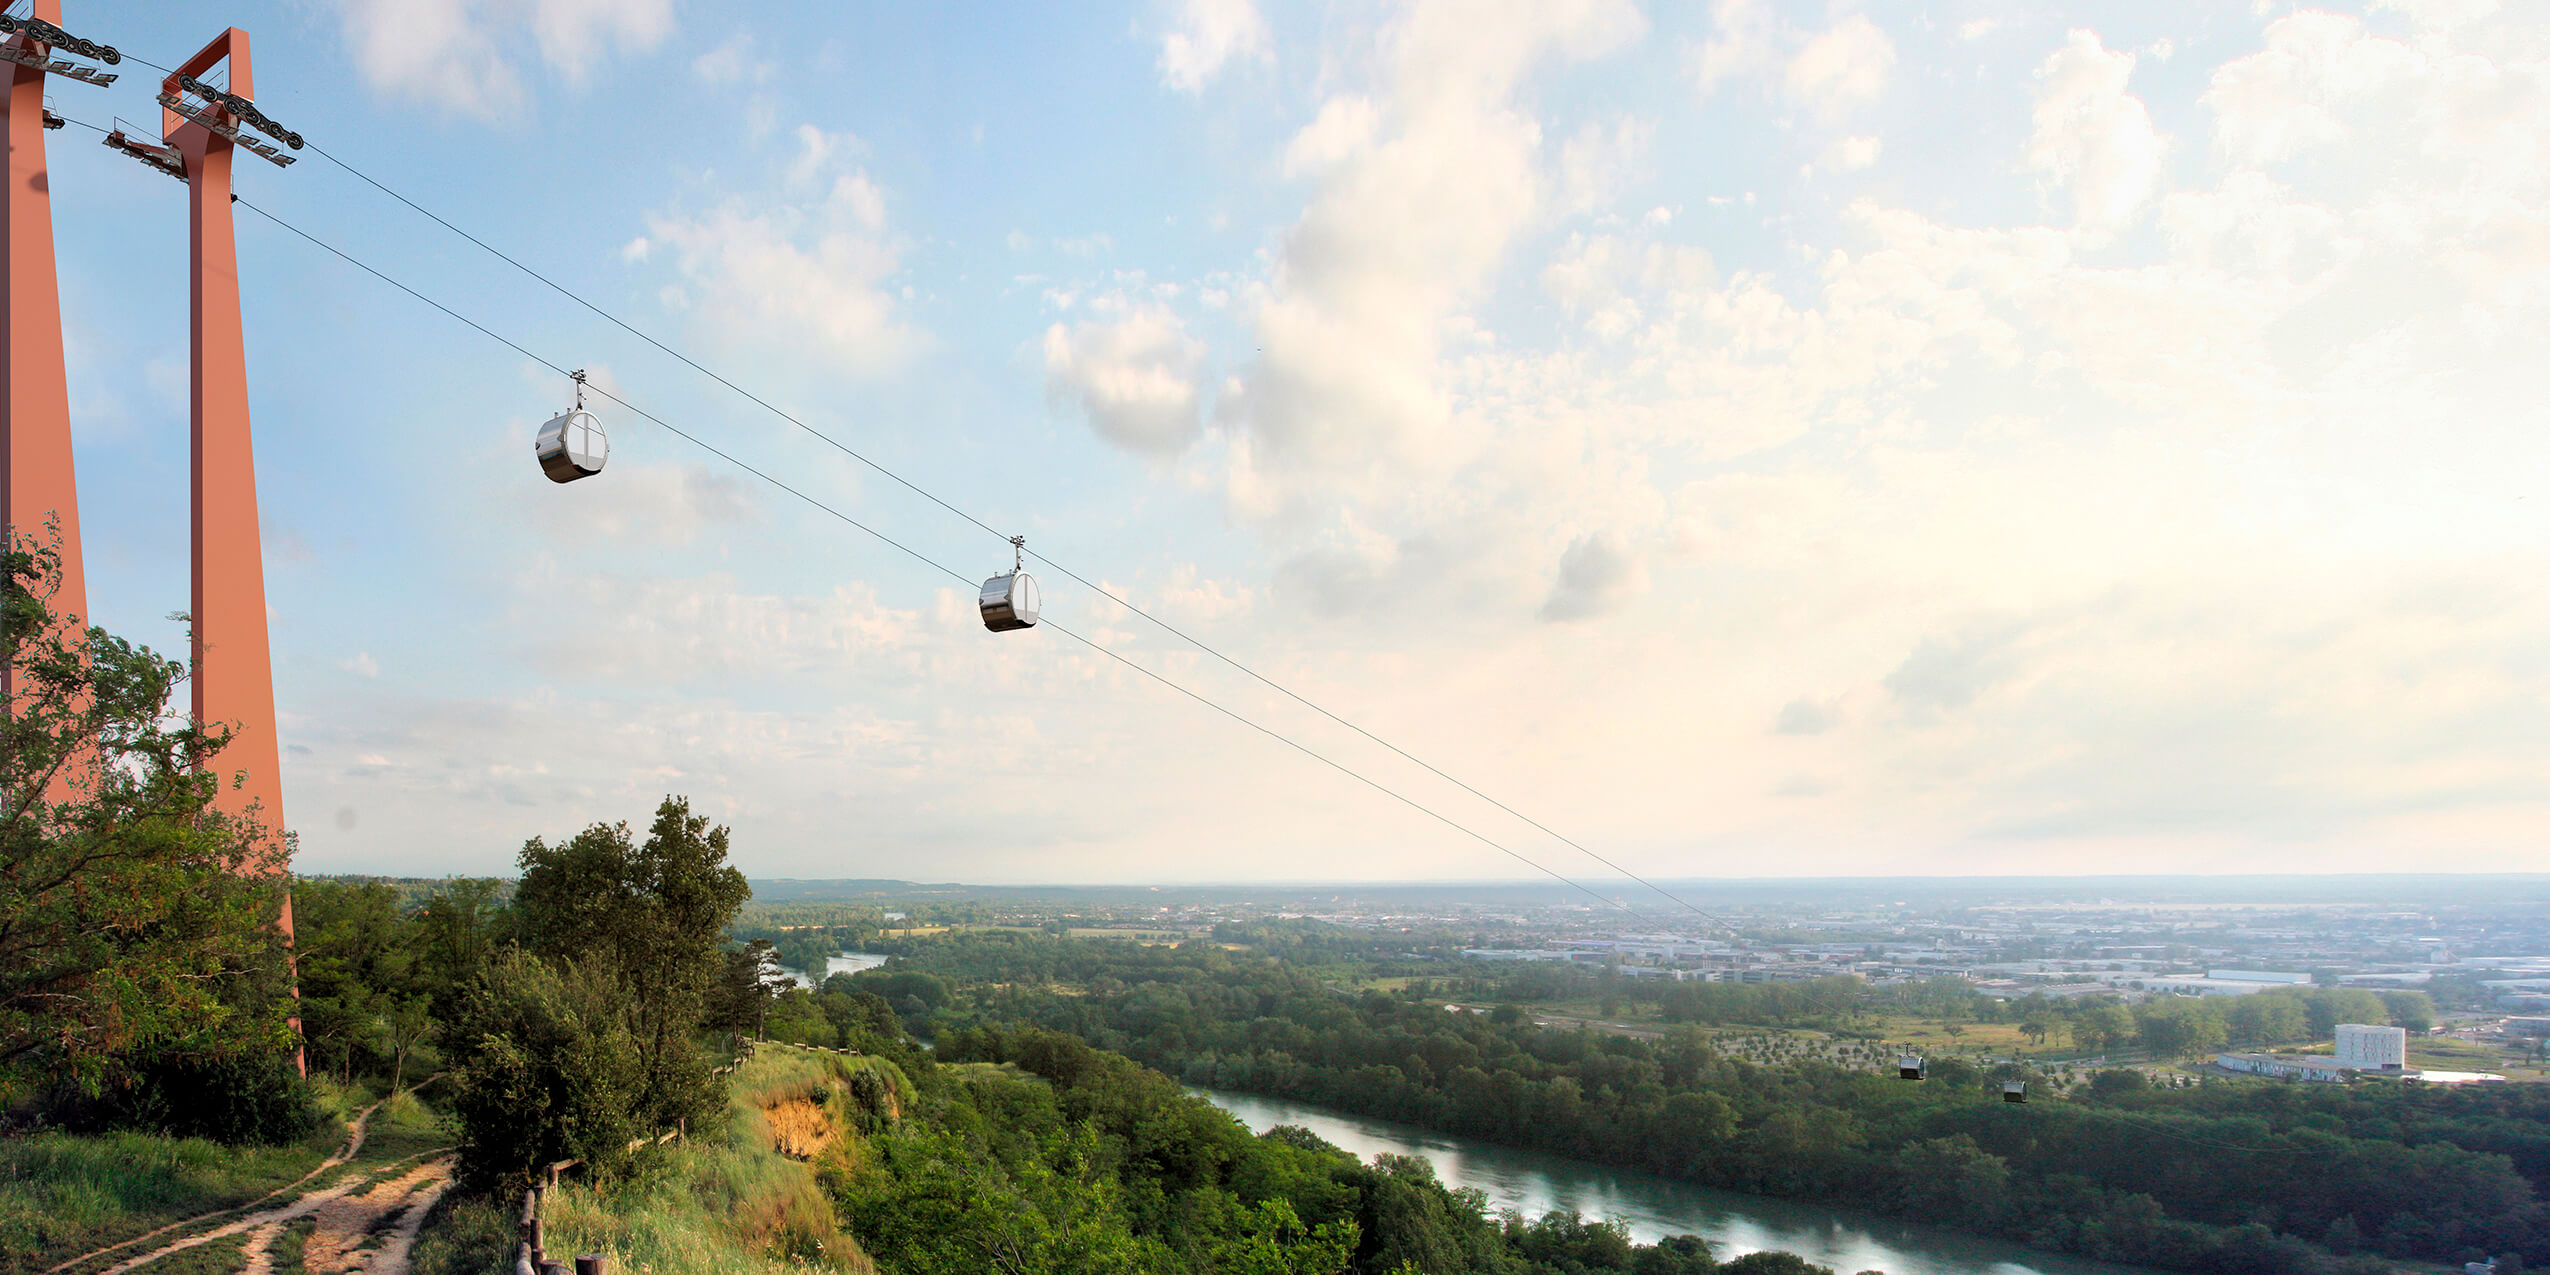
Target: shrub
544,1068
255,1099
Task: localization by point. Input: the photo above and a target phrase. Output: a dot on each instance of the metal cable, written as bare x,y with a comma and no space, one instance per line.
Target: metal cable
943,568
1084,581
1093,645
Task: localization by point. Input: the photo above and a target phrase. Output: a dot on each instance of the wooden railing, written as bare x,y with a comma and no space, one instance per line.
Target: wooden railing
531,1253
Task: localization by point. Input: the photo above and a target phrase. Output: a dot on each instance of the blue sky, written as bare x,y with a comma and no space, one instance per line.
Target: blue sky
1753,439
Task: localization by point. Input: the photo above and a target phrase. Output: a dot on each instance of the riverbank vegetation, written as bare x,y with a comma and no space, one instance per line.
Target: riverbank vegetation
2229,1177
151,1040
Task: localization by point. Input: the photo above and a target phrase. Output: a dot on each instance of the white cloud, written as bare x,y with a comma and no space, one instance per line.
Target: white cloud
1806,717
669,505
1596,575
1423,188
2092,138
809,268
1830,72
1841,68
733,62
1134,376
1744,40
1343,129
1851,154
465,56
1601,161
1207,36
2024,543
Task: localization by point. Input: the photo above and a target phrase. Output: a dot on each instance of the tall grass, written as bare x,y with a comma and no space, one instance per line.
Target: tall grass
64,1194
730,1204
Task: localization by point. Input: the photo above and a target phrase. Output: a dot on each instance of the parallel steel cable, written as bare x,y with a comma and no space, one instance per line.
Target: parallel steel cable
961,578
933,498
943,568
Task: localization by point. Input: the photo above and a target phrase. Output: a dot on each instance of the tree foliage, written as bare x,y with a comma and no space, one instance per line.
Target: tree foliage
2180,1178
545,1068
589,1034
137,922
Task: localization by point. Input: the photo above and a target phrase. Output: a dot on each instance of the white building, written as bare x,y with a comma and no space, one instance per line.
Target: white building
2372,1048
2321,1070
2191,985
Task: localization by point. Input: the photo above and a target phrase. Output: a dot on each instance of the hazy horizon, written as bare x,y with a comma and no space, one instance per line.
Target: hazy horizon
1743,437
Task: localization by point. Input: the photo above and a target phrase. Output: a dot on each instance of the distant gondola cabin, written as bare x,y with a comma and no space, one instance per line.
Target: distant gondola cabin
1010,602
572,446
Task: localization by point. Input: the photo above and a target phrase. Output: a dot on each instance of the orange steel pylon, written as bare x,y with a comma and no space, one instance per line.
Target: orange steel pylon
234,669
38,483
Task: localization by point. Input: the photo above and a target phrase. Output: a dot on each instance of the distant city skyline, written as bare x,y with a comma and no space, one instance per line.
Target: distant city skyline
1751,440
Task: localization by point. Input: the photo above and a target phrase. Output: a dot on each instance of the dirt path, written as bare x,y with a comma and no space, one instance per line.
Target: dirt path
347,1223
393,1258
259,1250
346,1215
393,1207
353,1146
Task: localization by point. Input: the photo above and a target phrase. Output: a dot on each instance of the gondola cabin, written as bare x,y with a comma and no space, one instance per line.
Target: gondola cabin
2014,1091
1908,1067
1010,602
571,446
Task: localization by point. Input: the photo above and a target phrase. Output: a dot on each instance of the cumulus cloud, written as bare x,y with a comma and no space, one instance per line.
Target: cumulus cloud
1945,674
1851,154
1423,187
733,62
466,56
1133,375
1806,717
2093,139
1830,71
2118,548
1744,40
1208,35
1842,67
1596,575
1601,160
806,268
667,505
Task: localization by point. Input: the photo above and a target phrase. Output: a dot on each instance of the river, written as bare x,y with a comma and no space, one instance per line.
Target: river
845,963
1535,1183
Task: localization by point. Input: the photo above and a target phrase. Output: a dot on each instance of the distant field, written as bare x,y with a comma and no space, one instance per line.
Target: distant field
1101,932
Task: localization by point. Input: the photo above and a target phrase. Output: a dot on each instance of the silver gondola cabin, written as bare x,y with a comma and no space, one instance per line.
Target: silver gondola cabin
1011,602
1909,1067
572,445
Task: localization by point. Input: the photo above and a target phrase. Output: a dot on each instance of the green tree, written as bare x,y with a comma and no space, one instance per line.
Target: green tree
544,1068
2110,1026
136,920
655,915
2414,1010
457,933
2330,1006
2178,1026
751,977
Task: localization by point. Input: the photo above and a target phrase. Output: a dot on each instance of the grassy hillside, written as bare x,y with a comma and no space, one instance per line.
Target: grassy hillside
745,1200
